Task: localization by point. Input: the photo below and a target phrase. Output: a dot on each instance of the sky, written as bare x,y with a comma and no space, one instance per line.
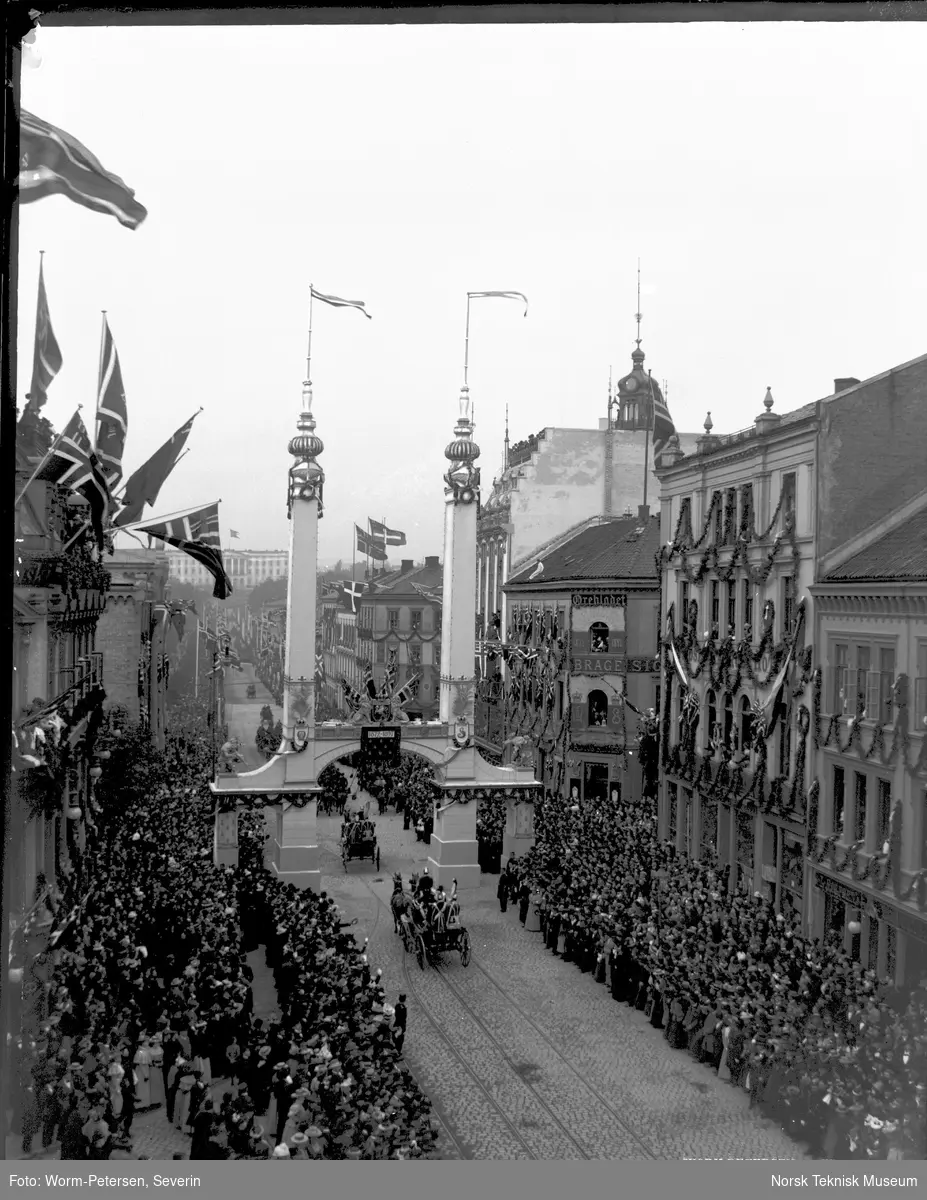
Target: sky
766,176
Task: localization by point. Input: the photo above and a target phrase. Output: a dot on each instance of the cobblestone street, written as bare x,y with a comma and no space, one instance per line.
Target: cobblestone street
523,1055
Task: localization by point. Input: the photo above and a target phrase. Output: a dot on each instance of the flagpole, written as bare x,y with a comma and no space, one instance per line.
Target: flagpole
353,552
309,346
196,669
166,517
100,375
467,342
647,439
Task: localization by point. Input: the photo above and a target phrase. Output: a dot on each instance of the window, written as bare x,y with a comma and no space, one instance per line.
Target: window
731,609
393,618
886,683
746,725
598,638
415,620
747,587
598,708
683,605
788,605
884,815
717,500
785,743
728,718
715,607
746,508
381,652
788,498
859,815
711,725
415,655
685,518
863,662
841,681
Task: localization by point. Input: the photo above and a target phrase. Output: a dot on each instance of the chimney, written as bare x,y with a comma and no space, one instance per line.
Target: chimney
643,513
432,560
841,385
406,565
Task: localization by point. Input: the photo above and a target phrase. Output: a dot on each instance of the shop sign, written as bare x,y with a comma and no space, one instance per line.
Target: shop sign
599,599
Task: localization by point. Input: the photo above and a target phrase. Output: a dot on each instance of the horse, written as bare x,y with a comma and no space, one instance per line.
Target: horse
401,901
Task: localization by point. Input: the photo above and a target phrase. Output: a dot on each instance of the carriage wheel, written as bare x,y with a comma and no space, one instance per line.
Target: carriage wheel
465,949
420,952
378,858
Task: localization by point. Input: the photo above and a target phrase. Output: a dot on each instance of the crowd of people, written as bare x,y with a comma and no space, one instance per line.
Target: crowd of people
149,1000
838,1058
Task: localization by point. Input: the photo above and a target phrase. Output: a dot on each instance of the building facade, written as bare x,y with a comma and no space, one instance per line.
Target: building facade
558,479
868,847
245,568
578,663
139,642
749,521
399,629
339,650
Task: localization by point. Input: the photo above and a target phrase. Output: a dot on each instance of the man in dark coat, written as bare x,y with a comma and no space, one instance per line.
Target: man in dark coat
502,891
203,1126
399,1022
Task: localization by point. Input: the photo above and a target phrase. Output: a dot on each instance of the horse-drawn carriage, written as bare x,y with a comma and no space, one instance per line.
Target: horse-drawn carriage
429,922
359,838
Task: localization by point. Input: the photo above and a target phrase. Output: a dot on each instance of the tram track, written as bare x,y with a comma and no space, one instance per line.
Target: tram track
505,1119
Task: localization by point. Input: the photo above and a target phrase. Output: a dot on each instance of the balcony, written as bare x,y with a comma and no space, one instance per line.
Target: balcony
67,575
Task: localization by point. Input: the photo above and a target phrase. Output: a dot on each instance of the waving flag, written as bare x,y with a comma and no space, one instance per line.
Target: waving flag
71,461
663,427
337,302
46,361
53,162
501,296
370,546
391,537
112,416
143,487
351,592
197,534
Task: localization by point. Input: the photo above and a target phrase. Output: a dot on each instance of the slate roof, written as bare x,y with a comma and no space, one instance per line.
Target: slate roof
429,576
622,549
899,555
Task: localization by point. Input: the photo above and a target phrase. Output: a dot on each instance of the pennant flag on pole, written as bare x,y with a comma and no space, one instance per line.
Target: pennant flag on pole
46,361
233,533
501,296
337,302
53,162
391,537
369,546
143,487
112,416
678,665
71,461
197,534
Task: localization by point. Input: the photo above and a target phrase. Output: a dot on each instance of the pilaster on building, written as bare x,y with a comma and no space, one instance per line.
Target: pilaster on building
788,688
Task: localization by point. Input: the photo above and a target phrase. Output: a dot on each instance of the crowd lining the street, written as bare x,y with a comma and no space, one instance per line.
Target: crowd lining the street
149,1000
837,1057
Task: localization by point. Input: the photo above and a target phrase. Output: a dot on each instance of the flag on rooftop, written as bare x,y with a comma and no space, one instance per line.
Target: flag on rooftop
46,359
53,162
197,534
112,415
144,485
663,427
391,537
337,302
370,546
71,461
233,533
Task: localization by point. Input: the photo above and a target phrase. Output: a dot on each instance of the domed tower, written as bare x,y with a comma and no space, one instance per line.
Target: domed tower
635,395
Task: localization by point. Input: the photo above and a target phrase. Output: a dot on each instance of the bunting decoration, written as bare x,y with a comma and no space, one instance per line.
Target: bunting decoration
197,534
53,162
